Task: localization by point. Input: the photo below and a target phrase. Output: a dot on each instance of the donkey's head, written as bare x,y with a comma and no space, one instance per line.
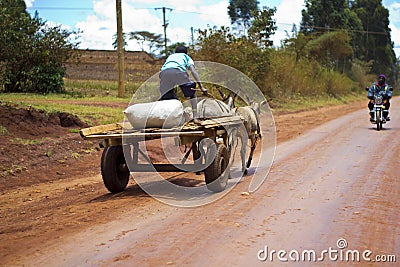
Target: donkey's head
228,99
257,106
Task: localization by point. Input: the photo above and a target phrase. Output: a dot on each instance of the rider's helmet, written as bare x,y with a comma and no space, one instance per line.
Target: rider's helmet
381,79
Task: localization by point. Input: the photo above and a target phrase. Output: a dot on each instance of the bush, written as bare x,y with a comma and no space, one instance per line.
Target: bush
31,53
287,79
44,79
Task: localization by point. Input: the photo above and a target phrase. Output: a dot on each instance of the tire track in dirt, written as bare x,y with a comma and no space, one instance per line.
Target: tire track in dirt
222,226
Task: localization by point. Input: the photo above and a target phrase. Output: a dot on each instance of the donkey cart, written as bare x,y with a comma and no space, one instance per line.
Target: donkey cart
210,140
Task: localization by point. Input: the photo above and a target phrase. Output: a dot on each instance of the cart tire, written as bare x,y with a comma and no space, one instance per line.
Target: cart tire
114,170
216,175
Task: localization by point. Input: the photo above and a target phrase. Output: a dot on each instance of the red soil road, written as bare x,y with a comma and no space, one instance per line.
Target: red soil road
338,180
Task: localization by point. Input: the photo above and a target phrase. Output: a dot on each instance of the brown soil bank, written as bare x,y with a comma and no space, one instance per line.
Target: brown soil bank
33,142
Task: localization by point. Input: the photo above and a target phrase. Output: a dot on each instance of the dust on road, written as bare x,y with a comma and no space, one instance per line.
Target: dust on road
322,187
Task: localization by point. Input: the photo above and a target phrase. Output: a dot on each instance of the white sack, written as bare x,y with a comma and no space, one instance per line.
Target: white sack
159,114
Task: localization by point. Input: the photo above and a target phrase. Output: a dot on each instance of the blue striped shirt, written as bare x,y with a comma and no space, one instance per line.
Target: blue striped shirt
179,61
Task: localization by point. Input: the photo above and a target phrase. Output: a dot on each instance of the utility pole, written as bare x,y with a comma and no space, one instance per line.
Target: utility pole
192,35
120,50
165,28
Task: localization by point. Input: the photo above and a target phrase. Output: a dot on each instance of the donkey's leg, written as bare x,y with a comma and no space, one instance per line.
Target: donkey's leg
243,140
253,142
243,156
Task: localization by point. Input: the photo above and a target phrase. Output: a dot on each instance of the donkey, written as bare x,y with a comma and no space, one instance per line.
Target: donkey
250,115
209,108
251,118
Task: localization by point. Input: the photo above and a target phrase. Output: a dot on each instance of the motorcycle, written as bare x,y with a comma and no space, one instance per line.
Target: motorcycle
379,118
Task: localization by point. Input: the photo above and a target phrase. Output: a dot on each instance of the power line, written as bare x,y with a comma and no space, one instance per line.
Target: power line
193,12
200,13
60,8
335,29
87,8
350,30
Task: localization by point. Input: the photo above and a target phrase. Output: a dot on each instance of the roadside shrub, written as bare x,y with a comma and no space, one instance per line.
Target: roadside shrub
287,80
32,53
44,79
336,84
359,73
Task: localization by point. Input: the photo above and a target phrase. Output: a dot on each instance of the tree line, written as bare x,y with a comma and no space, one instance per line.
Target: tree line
363,26
340,41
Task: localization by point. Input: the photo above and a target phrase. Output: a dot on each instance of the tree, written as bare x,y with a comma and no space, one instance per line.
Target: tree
356,32
148,40
298,45
240,12
367,22
32,54
331,49
379,47
262,27
242,53
321,15
115,42
172,48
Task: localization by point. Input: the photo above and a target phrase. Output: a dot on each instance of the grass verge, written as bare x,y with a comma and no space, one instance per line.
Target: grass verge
92,110
96,110
312,103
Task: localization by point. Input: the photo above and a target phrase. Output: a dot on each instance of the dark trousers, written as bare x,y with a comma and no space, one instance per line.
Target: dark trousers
169,78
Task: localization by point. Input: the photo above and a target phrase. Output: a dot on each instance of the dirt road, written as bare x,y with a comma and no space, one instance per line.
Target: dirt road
338,182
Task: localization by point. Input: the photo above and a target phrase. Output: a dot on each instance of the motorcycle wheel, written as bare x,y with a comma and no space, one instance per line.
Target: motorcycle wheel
378,120
379,125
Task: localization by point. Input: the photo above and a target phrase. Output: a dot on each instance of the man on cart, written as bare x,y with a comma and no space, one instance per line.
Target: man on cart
174,72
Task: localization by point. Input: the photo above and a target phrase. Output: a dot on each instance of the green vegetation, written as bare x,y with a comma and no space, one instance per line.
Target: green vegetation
240,11
100,96
3,130
92,110
365,21
93,89
25,142
329,59
75,155
311,103
4,171
328,62
285,78
287,82
32,54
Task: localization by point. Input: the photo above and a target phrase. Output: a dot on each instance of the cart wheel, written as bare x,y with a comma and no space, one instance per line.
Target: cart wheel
114,170
216,175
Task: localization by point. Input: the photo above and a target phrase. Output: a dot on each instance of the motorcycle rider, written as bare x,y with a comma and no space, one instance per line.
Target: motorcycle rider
380,87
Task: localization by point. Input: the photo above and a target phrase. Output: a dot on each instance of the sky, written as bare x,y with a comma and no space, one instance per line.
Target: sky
97,18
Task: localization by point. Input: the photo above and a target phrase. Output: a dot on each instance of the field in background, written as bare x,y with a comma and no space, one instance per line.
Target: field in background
91,88
103,65
93,110
96,102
